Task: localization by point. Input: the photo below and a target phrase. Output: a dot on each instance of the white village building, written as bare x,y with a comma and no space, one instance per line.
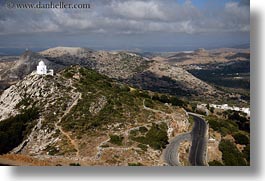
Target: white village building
227,107
42,69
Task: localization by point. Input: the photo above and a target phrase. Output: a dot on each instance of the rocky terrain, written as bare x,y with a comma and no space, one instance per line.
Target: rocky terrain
225,69
6,63
13,69
174,80
119,108
119,65
89,119
129,68
202,56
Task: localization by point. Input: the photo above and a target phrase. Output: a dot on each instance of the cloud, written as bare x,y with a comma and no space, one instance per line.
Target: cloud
140,10
127,17
236,17
244,3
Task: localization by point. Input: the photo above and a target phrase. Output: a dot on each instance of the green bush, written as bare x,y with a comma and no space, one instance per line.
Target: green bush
143,129
68,74
143,147
215,163
246,153
156,137
241,138
25,102
176,102
223,126
239,118
133,133
74,164
135,164
168,99
231,156
149,103
116,140
164,99
52,150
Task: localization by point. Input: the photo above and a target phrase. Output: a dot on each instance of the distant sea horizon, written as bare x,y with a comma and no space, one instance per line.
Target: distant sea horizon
19,51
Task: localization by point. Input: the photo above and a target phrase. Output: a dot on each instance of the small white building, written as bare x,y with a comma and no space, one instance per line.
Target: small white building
234,108
211,140
42,69
51,72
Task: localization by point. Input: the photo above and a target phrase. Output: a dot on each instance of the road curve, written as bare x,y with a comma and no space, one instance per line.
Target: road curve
198,137
170,154
198,151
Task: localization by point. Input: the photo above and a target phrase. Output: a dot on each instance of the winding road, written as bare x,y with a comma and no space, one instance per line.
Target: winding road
171,156
198,151
199,139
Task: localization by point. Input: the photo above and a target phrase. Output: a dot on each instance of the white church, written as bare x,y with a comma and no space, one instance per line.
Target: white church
42,69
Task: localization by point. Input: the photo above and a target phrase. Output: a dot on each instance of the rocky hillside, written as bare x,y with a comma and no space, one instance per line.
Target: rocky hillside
6,63
125,67
89,119
17,69
204,57
225,71
134,70
162,77
119,65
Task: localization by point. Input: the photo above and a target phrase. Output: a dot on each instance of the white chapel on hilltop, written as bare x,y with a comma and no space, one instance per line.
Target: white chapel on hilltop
42,69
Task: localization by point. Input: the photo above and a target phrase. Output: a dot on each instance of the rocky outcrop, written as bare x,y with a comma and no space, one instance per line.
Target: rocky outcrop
38,140
214,152
41,90
52,96
8,101
98,105
166,78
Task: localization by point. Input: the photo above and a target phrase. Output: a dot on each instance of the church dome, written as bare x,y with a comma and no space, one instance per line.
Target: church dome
41,63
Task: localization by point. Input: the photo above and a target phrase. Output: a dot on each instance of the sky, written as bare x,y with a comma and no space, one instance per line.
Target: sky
146,25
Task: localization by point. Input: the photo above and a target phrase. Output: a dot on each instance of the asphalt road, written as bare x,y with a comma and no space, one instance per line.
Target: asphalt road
198,137
197,156
171,151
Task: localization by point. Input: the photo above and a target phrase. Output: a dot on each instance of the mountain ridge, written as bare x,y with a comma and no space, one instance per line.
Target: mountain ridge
156,74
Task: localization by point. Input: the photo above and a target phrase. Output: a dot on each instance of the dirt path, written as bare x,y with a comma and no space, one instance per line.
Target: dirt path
72,141
126,134
158,111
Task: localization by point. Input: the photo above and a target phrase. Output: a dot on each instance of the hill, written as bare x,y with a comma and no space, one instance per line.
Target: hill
177,74
91,119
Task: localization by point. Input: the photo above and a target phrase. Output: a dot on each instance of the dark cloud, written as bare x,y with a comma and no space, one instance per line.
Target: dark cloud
244,2
120,19
126,16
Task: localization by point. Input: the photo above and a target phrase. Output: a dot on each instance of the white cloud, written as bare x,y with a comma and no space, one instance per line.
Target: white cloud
128,16
141,10
237,17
